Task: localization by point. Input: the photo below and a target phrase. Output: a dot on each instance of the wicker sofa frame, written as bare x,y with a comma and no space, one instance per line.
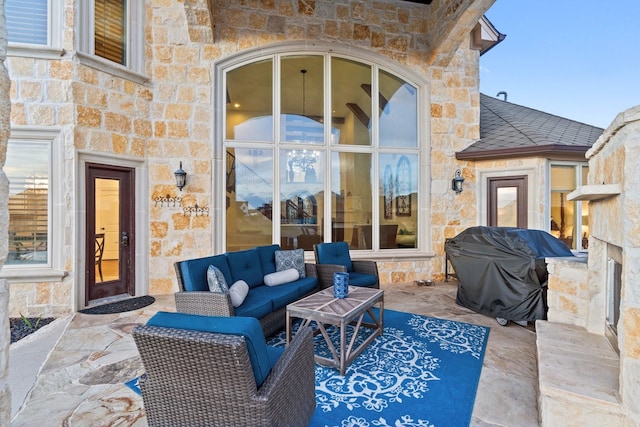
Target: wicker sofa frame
205,379
219,304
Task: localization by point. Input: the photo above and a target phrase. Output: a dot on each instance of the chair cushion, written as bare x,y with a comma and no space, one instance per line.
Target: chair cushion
281,277
267,258
245,265
334,253
238,292
194,271
248,327
361,279
291,259
216,280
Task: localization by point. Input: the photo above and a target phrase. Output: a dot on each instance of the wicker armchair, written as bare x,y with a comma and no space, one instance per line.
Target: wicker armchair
196,378
334,257
207,303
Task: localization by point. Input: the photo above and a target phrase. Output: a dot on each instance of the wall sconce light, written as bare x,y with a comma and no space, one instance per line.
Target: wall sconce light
456,182
181,177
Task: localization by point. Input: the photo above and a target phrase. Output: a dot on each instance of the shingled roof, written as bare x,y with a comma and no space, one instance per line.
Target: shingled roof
509,130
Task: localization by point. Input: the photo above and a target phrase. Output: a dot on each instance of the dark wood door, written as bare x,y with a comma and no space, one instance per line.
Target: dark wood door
110,234
507,201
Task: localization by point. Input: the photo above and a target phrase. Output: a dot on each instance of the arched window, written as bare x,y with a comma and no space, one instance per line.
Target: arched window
330,130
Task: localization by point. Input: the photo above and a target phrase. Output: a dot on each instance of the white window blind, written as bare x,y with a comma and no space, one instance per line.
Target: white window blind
27,21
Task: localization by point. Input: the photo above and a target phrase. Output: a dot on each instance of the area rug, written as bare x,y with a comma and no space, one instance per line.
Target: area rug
121,306
422,371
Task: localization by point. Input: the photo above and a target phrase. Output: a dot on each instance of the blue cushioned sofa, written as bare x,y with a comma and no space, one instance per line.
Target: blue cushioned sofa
266,303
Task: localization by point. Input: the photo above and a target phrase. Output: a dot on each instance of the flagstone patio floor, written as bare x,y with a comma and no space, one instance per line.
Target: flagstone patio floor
81,383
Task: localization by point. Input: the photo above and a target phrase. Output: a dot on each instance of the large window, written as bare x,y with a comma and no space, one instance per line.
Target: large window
320,148
569,219
27,168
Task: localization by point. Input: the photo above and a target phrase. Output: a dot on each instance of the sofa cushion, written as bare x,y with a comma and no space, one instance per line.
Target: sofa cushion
238,292
245,265
291,259
267,258
361,279
216,280
306,285
248,327
279,296
281,277
194,271
255,305
334,253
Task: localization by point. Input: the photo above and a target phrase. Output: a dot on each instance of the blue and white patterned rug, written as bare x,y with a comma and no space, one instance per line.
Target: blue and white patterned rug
422,372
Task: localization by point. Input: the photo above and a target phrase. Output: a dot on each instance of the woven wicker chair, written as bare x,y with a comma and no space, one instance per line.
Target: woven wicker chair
219,304
197,378
334,257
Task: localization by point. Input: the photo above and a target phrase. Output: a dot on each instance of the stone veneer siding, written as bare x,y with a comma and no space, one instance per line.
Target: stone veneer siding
171,117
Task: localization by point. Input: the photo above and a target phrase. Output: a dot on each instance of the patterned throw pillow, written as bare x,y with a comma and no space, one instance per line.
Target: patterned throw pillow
291,259
216,280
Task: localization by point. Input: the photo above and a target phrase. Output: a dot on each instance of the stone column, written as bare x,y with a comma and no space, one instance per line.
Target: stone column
5,335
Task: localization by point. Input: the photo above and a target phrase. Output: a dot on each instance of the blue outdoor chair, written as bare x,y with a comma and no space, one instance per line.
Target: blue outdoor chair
334,257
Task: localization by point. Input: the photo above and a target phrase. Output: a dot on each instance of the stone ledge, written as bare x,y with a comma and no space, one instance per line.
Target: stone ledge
578,377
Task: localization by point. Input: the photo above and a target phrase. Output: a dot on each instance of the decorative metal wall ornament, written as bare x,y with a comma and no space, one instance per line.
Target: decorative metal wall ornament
196,210
168,201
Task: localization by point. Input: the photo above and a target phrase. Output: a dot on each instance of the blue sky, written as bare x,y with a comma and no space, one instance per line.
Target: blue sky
575,59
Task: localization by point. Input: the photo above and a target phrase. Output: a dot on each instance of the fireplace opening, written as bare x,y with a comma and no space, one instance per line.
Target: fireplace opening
614,285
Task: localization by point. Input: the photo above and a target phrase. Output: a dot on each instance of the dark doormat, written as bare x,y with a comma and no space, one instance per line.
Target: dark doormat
128,304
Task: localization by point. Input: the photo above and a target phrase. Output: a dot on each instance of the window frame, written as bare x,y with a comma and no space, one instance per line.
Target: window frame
578,170
378,63
53,270
55,29
85,40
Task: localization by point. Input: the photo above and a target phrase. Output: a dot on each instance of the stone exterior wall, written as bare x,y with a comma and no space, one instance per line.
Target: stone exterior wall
5,337
578,296
171,117
614,159
567,295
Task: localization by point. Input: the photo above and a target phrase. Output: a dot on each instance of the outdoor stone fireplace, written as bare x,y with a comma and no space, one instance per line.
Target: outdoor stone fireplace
589,350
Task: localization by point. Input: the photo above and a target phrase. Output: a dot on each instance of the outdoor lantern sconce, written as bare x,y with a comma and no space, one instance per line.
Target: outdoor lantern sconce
181,177
456,182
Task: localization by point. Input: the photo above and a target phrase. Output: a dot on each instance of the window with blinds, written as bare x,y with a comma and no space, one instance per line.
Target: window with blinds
110,30
27,168
27,21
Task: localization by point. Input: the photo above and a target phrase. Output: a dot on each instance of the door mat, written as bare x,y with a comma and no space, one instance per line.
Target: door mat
128,304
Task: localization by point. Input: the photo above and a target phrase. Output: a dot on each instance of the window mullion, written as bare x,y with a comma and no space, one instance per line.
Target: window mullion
328,147
276,206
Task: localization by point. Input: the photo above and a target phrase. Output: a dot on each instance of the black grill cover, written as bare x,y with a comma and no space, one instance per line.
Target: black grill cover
502,272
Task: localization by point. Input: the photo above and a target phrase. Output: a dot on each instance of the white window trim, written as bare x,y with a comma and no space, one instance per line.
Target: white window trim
577,166
85,39
424,243
141,220
53,49
53,271
533,193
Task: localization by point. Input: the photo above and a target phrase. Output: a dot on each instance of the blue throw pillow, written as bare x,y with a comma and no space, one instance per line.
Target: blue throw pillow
291,259
248,327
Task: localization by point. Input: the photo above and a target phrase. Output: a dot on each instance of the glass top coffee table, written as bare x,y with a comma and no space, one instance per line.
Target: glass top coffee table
324,309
